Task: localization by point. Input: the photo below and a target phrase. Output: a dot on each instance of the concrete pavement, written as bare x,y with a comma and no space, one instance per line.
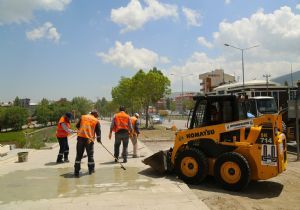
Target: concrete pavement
42,184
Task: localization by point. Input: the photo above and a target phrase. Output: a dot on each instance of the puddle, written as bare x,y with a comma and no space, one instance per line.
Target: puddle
47,183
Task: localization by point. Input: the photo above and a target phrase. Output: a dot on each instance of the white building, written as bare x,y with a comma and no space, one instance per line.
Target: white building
213,79
256,88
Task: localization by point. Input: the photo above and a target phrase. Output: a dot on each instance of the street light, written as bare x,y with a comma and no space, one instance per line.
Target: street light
181,76
241,49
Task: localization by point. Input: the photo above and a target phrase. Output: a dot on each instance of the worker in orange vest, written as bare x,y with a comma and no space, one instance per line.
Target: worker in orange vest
134,134
88,126
63,130
121,125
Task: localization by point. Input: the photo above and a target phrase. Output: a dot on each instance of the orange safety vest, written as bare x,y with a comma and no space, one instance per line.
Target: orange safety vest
87,127
60,132
133,122
121,121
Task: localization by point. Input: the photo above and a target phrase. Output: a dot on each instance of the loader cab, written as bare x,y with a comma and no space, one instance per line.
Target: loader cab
213,110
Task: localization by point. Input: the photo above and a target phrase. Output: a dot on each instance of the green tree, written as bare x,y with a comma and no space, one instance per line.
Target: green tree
142,90
43,112
112,108
123,93
81,105
188,104
17,101
101,106
2,119
16,117
173,105
168,103
59,108
154,87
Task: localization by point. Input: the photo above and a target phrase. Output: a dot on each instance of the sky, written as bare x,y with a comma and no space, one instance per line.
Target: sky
65,48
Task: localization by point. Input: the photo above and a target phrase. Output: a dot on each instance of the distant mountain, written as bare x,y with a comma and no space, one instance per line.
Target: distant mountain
287,77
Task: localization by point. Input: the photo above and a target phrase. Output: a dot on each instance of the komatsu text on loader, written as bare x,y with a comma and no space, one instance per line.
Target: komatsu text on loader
221,141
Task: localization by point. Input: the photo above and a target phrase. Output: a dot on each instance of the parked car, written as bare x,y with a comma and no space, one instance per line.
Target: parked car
156,119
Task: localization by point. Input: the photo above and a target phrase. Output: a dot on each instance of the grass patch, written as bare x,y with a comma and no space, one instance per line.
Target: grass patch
35,137
157,133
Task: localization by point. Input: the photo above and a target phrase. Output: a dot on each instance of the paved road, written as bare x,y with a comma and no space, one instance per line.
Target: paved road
180,124
41,184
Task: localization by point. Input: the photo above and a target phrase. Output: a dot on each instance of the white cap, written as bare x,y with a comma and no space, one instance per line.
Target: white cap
136,114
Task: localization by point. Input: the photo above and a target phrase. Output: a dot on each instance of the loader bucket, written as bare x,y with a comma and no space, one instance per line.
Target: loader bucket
158,161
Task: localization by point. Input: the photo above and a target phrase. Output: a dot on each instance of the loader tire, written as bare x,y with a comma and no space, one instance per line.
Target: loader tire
191,166
232,171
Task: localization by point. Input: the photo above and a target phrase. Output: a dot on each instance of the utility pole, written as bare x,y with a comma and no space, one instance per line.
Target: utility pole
292,80
297,120
267,79
182,76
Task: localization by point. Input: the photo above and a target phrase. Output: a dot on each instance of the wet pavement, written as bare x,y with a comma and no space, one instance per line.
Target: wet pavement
40,183
60,183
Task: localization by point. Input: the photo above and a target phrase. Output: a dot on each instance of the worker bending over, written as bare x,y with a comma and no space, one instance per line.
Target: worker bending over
121,125
88,126
63,130
134,134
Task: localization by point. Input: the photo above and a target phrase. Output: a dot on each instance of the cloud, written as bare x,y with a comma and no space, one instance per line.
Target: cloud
16,11
192,16
277,32
278,36
127,56
298,6
134,16
201,40
227,1
46,31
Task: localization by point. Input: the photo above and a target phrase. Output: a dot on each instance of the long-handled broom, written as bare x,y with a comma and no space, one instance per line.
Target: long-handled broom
113,156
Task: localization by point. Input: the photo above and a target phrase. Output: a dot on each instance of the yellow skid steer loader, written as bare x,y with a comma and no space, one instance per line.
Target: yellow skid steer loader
223,142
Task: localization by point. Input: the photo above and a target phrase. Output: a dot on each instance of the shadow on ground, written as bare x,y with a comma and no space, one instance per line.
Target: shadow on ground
51,164
150,172
255,189
70,175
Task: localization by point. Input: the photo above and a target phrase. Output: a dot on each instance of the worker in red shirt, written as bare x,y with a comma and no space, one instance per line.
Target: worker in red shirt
63,130
121,125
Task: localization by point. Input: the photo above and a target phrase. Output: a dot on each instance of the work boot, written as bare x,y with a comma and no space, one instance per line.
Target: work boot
116,160
91,171
125,160
59,159
135,156
76,174
66,159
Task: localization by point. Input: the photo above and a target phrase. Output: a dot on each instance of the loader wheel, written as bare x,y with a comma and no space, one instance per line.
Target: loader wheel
191,166
232,171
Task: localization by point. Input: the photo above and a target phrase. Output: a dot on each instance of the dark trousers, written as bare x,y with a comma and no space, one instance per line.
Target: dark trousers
83,143
121,137
63,148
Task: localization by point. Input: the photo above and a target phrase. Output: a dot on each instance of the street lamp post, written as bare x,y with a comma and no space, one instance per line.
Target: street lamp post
267,81
181,76
242,50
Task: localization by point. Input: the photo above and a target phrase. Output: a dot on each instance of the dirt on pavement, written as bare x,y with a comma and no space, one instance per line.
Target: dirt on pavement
281,192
